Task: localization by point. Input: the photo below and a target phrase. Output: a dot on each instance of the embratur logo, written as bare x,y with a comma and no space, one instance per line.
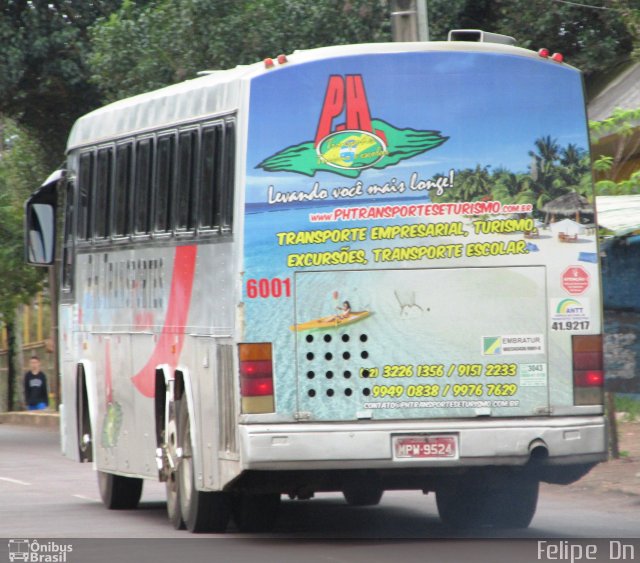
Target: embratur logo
491,345
35,551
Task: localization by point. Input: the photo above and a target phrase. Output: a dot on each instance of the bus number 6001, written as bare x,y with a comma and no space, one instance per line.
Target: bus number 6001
268,288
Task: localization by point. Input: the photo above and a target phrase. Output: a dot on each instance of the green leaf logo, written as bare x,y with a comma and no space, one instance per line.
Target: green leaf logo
349,152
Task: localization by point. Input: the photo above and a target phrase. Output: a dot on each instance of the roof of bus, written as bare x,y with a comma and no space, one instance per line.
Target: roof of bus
219,92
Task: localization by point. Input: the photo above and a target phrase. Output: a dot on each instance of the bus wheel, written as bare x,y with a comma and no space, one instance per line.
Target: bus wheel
173,490
118,492
514,503
357,496
256,513
509,504
84,436
201,511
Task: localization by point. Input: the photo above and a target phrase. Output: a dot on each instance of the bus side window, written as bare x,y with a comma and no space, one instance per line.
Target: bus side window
186,174
164,183
227,186
211,155
103,192
85,196
122,191
67,242
144,156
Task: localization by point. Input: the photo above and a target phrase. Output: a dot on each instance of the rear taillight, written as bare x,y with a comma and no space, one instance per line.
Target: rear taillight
256,377
588,369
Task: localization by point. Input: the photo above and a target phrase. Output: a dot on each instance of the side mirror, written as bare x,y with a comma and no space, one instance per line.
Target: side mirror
40,223
41,234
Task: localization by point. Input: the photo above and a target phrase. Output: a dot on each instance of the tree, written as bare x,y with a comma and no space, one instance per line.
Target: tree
622,127
143,46
43,74
591,39
20,282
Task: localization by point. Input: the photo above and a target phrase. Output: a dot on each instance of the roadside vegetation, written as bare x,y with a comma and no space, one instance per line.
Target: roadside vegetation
629,406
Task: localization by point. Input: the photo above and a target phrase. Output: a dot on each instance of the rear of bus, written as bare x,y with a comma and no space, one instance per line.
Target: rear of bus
421,289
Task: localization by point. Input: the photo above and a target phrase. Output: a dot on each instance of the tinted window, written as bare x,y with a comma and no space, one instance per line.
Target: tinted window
215,201
144,155
208,204
186,175
122,190
228,188
164,183
85,192
67,245
103,192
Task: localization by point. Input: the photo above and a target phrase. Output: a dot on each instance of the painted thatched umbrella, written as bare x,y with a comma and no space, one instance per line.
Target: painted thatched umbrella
568,204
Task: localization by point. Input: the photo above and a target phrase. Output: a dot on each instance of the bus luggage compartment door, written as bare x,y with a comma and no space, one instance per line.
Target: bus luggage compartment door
406,344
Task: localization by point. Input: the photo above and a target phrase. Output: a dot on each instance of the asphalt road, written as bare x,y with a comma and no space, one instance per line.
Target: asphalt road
44,495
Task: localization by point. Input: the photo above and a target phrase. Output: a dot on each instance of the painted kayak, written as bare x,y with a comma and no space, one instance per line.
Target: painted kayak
332,321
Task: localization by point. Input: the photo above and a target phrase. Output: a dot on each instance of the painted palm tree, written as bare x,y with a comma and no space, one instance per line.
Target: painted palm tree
476,184
546,153
575,169
507,185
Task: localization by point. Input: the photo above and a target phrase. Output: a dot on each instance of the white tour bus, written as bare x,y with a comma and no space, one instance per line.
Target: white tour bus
432,321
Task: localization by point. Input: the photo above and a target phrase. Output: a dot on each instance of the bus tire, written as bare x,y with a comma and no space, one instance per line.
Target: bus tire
510,504
170,436
118,492
84,434
201,511
508,513
256,512
461,506
362,496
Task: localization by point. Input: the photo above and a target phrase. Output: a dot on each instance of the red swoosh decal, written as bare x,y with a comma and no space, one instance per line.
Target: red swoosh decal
171,340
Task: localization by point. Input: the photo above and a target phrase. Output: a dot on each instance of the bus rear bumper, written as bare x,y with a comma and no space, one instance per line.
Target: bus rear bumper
306,446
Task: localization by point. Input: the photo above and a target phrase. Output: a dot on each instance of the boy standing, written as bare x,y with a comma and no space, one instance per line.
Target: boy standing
35,386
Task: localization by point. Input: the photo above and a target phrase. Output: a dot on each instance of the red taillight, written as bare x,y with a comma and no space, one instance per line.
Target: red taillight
268,63
259,387
256,377
588,369
557,57
586,360
282,59
592,378
256,368
543,52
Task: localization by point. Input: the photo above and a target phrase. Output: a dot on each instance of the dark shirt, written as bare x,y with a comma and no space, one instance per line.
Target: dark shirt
35,388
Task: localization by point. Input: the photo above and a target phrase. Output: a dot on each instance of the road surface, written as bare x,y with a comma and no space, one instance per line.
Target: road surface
44,495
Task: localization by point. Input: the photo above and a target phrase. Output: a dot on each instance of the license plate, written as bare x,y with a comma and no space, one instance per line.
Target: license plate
425,447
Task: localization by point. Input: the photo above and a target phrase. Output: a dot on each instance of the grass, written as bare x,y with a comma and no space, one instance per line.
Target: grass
629,406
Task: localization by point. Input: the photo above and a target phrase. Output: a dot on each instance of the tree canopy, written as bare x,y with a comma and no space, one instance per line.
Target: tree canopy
141,46
20,171
44,82
63,58
144,46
